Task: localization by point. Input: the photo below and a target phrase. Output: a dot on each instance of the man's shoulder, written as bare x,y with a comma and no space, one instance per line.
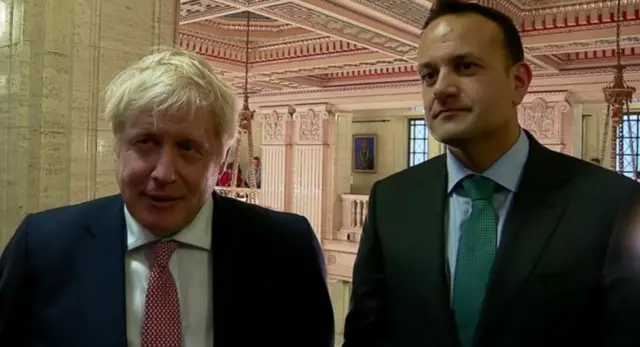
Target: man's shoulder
257,213
409,177
262,219
79,213
586,172
53,232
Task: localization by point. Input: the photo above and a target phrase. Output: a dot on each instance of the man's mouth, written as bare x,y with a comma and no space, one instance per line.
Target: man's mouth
450,111
162,199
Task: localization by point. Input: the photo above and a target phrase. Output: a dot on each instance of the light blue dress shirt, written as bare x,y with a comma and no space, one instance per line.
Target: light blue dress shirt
505,171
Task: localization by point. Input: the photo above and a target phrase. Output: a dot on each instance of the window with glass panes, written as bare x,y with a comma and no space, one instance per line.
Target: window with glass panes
628,145
418,141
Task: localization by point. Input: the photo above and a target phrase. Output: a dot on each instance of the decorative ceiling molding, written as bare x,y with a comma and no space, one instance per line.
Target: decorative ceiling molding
322,22
413,12
197,9
254,28
545,7
343,49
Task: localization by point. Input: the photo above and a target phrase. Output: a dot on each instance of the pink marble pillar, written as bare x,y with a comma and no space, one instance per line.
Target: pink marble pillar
276,158
305,162
312,151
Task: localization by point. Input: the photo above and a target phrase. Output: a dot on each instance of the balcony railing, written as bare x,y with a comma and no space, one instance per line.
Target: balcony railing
243,194
340,252
354,213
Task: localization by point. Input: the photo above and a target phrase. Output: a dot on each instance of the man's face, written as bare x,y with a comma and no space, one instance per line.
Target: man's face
469,87
167,169
255,163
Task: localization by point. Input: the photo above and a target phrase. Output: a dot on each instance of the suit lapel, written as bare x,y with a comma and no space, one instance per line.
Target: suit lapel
425,216
222,252
102,274
536,209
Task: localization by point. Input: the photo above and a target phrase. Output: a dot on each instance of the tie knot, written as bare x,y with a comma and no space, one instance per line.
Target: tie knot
163,250
479,187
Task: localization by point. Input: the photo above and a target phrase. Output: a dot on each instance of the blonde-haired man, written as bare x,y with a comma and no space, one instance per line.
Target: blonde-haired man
167,262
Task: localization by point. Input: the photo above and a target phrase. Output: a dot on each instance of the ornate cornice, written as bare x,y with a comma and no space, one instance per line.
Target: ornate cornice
297,42
585,72
559,7
252,28
416,15
581,46
569,85
581,28
389,85
341,67
312,57
549,95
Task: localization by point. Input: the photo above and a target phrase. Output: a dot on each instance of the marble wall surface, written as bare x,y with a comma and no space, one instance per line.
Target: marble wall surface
56,57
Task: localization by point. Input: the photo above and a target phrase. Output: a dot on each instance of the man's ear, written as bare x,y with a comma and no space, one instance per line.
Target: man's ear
522,76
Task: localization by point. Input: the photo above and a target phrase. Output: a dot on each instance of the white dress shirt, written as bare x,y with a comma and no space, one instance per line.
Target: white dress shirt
191,269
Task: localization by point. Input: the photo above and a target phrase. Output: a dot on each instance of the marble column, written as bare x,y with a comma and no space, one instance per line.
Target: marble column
276,157
55,59
339,148
306,162
311,165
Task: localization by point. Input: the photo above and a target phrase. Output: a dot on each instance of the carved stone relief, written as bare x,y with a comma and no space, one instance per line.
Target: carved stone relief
544,120
273,125
331,259
310,124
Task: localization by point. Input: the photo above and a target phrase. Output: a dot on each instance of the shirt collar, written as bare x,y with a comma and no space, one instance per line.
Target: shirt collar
197,234
505,171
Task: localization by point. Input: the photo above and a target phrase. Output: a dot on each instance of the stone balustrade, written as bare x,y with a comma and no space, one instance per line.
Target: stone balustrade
354,213
340,252
243,194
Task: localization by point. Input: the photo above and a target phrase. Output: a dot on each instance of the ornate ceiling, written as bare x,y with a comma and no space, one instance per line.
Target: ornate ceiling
329,48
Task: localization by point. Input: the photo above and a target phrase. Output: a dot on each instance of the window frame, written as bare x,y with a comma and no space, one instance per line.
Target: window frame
411,123
634,119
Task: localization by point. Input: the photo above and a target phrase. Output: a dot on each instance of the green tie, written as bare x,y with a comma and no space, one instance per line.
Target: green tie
475,255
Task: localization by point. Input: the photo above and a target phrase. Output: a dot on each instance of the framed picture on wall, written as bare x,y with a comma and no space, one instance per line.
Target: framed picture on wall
364,153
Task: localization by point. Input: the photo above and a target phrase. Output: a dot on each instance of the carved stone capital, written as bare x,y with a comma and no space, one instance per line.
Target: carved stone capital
543,118
550,97
273,126
309,126
309,122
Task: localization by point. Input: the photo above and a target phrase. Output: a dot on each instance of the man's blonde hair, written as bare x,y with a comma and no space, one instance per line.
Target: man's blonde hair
172,82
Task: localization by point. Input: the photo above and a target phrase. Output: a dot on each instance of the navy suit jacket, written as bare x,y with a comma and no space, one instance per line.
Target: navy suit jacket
62,279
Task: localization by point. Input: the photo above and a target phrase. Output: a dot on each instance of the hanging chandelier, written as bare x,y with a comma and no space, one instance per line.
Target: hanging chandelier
245,118
618,95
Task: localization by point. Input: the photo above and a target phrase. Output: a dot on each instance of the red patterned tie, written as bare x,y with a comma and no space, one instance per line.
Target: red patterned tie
161,326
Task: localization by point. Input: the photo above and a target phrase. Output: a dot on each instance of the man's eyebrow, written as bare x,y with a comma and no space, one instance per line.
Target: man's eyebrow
458,57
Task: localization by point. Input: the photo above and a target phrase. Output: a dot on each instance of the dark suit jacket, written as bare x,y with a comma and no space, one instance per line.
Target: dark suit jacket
62,279
556,280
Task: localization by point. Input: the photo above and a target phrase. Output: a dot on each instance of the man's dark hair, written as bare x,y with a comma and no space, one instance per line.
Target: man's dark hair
512,40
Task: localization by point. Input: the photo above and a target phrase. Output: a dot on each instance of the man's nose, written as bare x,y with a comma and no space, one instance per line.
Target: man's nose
165,170
446,87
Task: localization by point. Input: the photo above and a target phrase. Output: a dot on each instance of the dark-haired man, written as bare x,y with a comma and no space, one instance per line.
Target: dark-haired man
499,242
